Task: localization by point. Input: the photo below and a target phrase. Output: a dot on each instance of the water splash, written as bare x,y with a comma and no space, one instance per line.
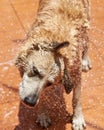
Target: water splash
10,62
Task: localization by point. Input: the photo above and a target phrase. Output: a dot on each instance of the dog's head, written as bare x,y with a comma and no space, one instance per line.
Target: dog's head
38,68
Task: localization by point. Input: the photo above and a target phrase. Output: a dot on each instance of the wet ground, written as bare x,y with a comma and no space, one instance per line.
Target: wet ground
16,18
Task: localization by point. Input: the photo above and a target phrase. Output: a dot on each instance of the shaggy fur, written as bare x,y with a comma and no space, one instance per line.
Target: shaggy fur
56,48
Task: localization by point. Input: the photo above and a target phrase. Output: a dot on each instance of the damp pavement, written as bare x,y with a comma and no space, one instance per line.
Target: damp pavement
16,18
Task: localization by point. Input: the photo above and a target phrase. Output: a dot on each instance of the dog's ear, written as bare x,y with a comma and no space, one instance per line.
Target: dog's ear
67,82
57,46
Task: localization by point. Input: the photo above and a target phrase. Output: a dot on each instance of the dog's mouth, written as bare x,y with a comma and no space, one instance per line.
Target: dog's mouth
31,101
30,105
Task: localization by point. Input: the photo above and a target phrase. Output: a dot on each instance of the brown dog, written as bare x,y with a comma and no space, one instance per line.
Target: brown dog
56,45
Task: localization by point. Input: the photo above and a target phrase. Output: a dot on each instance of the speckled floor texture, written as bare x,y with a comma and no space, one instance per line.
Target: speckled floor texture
16,18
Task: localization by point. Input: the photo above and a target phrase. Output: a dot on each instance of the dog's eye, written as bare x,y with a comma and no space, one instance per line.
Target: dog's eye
34,73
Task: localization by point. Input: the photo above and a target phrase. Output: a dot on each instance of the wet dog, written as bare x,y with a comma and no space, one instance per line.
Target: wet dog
56,48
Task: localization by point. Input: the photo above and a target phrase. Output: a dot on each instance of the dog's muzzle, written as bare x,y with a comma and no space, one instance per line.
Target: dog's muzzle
31,100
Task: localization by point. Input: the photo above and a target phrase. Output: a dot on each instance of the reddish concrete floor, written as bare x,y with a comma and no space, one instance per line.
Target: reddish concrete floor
16,18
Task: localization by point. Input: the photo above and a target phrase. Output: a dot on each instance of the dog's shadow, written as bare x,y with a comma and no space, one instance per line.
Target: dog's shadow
52,101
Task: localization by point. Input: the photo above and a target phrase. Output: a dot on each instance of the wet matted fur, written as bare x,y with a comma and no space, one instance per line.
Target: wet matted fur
56,48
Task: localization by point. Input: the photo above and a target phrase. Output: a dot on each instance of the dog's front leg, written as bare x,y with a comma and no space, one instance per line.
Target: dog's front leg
43,120
78,122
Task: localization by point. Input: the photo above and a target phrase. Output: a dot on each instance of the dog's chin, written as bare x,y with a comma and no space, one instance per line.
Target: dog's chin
30,105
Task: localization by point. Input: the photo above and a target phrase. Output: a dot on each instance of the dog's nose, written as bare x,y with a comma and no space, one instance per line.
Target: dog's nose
31,100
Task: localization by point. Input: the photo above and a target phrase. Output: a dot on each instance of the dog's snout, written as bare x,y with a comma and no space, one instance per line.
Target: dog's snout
31,100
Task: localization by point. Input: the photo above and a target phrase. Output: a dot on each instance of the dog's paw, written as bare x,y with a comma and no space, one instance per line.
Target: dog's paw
86,64
78,123
43,120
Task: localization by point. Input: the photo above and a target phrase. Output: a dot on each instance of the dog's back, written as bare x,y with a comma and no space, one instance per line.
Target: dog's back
62,20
